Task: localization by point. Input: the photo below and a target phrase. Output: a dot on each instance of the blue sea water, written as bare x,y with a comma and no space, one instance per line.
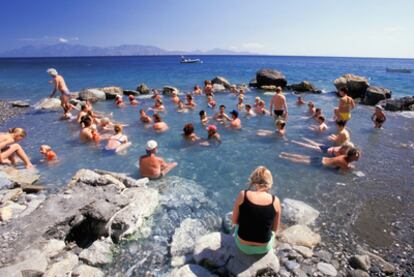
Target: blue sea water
384,171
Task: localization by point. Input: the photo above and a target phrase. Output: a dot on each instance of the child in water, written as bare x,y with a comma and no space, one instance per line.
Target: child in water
212,133
203,117
119,101
280,126
211,102
322,127
144,117
132,100
48,153
378,117
300,101
249,111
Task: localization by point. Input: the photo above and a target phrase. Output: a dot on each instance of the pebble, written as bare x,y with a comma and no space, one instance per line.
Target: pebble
291,265
327,269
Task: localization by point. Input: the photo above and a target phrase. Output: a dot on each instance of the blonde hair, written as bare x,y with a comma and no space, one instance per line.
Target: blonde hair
261,177
118,128
18,131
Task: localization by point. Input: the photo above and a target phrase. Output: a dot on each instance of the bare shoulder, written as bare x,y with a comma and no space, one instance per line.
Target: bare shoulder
276,204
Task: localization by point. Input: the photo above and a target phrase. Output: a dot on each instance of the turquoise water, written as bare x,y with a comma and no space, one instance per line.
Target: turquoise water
385,169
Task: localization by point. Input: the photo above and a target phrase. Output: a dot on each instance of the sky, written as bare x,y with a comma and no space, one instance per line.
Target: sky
359,28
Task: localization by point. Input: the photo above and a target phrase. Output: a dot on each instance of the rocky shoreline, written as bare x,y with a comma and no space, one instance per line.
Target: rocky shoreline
76,232
8,111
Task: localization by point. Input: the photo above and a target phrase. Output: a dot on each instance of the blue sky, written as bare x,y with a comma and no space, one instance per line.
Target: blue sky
368,28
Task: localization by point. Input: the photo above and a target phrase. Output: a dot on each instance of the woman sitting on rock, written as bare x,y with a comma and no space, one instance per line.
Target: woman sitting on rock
256,214
9,147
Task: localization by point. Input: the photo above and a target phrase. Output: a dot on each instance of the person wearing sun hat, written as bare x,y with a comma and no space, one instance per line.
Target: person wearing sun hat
152,166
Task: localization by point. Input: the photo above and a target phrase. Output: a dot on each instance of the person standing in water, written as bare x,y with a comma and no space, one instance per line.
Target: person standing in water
152,166
278,104
346,105
378,117
59,84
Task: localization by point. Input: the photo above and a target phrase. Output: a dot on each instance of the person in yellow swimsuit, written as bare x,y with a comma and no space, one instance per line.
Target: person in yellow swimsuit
346,105
59,84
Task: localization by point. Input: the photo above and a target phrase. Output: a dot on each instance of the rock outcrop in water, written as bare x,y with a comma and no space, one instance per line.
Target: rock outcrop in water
78,224
221,81
48,104
270,77
143,89
112,92
357,85
304,86
92,94
373,95
168,90
400,104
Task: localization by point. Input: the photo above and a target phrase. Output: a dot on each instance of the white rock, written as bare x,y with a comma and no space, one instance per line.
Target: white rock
298,212
300,235
191,270
35,261
304,251
218,87
4,181
48,104
184,237
63,267
87,271
129,219
53,248
92,94
327,269
33,204
99,253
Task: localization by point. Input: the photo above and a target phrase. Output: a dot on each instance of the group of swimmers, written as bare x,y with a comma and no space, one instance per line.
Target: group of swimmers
97,127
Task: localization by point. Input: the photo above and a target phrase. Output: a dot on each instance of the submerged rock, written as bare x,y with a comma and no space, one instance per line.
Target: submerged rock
48,104
168,90
92,94
218,250
143,89
298,212
304,86
357,85
270,77
400,104
184,237
300,235
20,104
221,81
373,95
112,92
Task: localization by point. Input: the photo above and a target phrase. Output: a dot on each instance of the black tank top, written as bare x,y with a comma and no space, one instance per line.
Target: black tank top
256,221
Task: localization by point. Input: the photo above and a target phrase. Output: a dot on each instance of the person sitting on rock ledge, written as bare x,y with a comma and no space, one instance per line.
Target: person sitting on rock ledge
256,214
9,147
152,166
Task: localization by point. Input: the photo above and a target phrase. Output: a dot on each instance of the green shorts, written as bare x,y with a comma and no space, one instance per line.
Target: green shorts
253,249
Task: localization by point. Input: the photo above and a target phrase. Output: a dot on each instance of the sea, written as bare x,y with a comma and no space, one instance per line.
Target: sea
365,202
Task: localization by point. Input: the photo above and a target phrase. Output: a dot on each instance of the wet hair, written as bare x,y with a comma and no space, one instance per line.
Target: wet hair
282,123
321,118
278,89
118,128
188,129
196,87
141,110
310,103
207,82
18,131
234,113
84,107
157,118
86,121
341,123
222,106
189,97
261,177
202,113
248,106
353,152
344,90
318,110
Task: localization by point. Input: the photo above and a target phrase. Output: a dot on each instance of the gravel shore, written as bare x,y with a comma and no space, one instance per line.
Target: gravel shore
7,111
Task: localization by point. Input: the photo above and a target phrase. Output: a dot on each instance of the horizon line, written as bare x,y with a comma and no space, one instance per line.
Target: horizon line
206,55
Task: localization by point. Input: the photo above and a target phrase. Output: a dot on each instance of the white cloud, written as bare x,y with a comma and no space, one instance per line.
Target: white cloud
392,29
63,40
253,46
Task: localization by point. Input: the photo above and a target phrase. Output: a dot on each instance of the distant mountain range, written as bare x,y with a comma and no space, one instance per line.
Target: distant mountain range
75,50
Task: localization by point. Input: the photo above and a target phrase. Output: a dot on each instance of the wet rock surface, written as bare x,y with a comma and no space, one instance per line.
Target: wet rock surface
7,111
357,85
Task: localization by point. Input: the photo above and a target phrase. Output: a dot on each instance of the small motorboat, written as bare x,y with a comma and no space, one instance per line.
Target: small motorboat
398,70
186,60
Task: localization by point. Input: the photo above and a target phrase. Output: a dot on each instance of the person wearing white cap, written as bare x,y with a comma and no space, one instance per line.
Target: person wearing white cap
152,166
59,84
378,117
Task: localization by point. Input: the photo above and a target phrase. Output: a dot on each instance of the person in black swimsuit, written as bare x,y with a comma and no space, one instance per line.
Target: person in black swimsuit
256,214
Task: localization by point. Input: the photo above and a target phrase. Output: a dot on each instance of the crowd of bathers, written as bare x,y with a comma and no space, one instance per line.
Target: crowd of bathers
96,127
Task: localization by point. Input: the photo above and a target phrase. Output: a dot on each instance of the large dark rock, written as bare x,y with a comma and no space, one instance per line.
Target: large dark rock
253,83
375,94
304,86
112,92
356,85
221,81
400,104
270,77
143,89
